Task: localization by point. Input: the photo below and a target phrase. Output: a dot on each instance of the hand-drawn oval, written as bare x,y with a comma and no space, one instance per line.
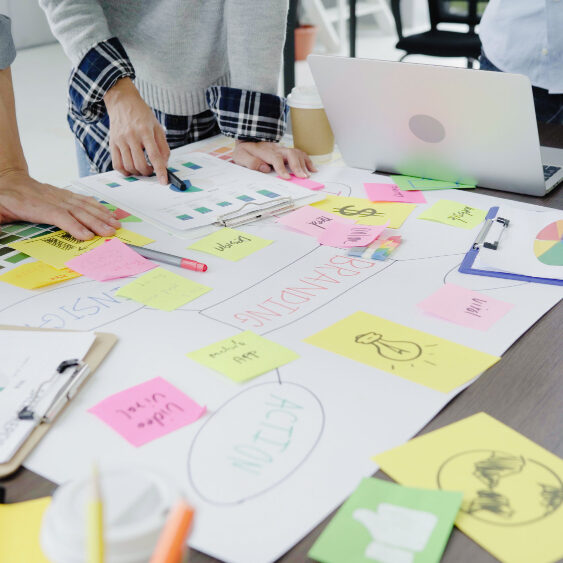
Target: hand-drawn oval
83,305
253,442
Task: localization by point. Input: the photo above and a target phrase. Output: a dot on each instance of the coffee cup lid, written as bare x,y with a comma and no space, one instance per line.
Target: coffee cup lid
306,97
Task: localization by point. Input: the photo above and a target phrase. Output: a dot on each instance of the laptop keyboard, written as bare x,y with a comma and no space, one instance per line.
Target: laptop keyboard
549,171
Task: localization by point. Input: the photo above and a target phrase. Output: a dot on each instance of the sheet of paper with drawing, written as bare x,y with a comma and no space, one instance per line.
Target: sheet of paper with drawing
217,190
305,429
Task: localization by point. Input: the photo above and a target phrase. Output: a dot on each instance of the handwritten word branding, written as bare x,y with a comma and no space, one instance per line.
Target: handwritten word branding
148,411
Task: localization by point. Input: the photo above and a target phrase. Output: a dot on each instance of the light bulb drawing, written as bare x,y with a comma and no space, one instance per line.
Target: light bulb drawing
401,351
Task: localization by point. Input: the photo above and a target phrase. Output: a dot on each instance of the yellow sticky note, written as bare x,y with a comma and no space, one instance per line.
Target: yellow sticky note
230,244
19,531
366,212
403,351
455,214
243,356
162,289
37,274
59,247
512,488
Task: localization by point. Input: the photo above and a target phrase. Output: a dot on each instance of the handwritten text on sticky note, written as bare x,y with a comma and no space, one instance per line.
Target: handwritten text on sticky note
243,356
310,220
37,274
344,235
230,244
391,192
148,411
465,307
455,214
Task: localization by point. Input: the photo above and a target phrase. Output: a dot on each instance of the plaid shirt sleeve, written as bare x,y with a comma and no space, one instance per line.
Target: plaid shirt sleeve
102,66
246,115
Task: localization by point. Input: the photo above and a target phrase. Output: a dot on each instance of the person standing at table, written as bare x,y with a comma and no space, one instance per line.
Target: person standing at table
526,37
21,197
148,75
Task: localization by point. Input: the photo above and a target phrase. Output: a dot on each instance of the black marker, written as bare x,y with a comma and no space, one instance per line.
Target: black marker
175,181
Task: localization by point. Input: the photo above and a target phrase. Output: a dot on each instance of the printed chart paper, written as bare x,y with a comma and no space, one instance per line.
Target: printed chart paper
455,214
403,351
37,274
391,192
365,212
243,356
148,411
162,289
230,244
382,521
311,221
58,248
512,488
414,183
465,307
110,260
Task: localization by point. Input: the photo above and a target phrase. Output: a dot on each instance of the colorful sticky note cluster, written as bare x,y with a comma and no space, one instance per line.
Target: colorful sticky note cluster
365,212
148,411
391,192
37,274
163,290
345,235
400,350
382,521
304,182
310,220
415,183
243,356
110,260
378,250
455,214
230,244
512,488
465,307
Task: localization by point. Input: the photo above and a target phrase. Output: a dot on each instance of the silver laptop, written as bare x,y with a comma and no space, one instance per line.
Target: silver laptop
444,123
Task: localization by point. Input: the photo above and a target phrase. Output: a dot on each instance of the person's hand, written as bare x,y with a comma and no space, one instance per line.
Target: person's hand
24,199
133,128
263,156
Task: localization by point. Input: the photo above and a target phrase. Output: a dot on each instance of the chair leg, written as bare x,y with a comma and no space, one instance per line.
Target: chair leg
403,57
470,62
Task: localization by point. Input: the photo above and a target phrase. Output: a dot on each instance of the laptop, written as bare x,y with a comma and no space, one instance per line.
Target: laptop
460,125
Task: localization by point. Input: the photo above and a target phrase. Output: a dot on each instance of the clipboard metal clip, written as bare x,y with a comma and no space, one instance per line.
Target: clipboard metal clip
66,393
262,209
499,223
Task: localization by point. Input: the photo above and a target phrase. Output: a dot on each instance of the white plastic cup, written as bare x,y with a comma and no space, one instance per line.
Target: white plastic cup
311,130
136,503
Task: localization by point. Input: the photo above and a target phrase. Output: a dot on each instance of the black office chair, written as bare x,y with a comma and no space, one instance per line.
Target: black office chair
440,43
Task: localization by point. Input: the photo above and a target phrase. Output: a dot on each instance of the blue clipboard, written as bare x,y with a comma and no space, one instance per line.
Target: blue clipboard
466,266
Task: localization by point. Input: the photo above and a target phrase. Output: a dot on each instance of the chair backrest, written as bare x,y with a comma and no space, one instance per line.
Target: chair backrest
456,11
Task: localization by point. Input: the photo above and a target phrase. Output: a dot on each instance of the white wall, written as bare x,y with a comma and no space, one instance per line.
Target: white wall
29,25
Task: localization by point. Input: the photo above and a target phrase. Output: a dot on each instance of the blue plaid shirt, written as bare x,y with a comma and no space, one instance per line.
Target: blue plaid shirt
241,114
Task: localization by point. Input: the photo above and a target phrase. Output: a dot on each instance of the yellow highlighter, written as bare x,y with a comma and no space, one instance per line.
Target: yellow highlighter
95,522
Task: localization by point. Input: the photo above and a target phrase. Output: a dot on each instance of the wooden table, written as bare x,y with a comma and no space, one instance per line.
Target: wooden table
524,390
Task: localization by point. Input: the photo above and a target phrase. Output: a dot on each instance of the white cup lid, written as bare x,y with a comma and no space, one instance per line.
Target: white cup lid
306,97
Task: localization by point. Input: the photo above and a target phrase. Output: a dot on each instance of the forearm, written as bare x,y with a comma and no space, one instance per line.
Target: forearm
11,152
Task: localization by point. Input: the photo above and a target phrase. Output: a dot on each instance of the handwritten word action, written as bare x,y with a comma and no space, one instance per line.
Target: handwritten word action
148,411
465,307
230,244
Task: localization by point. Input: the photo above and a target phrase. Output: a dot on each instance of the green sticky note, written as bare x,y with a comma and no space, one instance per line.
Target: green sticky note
162,289
243,356
230,244
415,183
382,521
455,214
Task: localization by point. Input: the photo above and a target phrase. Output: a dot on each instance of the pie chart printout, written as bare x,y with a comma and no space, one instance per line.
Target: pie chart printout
548,246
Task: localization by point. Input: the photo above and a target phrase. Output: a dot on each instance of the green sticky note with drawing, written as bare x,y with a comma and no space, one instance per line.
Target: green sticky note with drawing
230,244
455,214
383,521
243,356
415,183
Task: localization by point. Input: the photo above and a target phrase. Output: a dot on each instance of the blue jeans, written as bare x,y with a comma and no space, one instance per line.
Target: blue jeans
82,161
549,107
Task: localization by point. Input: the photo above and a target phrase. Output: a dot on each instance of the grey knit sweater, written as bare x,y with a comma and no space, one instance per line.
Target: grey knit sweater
7,50
180,47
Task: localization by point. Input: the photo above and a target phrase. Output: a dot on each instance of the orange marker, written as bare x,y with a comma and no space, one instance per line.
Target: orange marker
172,540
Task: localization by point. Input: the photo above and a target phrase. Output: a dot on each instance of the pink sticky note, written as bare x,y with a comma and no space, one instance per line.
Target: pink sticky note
311,221
148,411
465,307
304,182
343,235
391,192
112,259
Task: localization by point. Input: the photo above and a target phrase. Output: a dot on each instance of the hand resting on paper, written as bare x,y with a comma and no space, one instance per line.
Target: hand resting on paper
263,156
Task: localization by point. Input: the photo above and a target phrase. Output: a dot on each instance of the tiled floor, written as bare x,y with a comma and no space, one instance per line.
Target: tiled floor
40,80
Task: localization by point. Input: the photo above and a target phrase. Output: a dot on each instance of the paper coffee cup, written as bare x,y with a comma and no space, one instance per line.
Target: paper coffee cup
311,129
136,503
